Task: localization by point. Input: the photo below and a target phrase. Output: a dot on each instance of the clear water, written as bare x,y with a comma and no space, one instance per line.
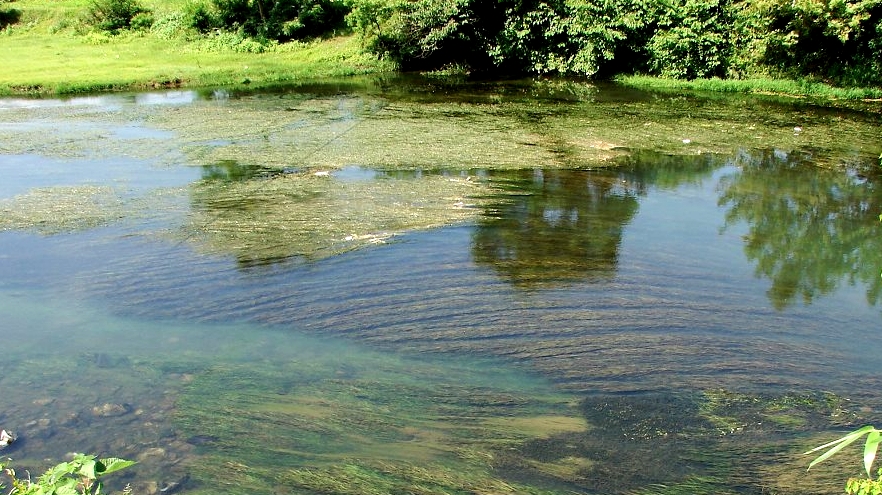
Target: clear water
752,272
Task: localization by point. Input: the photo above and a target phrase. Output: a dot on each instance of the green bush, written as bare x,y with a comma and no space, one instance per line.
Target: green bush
200,17
232,14
79,476
837,40
142,21
692,40
173,25
833,40
553,36
8,16
116,15
226,41
429,34
281,20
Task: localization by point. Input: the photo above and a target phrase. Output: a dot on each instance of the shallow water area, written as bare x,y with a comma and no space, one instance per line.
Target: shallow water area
400,286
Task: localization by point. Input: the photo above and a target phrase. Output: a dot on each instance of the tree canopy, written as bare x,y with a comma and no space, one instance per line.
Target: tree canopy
833,40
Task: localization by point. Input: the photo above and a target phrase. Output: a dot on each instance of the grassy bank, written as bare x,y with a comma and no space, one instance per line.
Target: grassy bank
66,64
784,87
52,50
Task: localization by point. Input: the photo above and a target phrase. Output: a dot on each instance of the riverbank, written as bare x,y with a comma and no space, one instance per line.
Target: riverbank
54,55
67,63
778,87
47,64
51,50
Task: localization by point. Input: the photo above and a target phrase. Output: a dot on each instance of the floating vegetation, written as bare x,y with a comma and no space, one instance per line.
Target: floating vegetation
68,209
397,124
315,215
53,210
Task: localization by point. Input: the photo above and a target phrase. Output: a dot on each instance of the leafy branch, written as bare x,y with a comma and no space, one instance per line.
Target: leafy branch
874,437
79,476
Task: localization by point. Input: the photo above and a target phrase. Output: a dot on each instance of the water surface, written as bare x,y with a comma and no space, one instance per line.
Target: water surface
411,285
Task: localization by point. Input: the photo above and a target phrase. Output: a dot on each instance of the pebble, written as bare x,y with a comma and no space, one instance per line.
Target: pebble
111,410
156,452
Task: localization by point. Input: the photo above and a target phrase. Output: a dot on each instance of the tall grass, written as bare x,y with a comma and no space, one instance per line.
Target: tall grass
784,87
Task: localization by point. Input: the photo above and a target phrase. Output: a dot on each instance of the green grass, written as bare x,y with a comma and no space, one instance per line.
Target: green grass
781,87
53,51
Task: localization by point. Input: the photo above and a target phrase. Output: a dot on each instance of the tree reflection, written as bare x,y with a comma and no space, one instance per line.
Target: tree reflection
561,225
810,229
552,227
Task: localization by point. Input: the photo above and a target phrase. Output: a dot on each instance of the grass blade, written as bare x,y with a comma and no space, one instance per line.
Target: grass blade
839,444
873,439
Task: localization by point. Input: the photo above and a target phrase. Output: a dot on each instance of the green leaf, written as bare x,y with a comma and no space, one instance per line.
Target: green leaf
65,486
88,468
838,444
873,439
112,464
58,471
69,488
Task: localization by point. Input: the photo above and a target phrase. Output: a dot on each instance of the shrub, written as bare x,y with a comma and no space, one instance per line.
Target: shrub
173,25
233,42
79,476
141,21
8,16
281,20
692,40
428,34
199,16
232,14
115,15
838,40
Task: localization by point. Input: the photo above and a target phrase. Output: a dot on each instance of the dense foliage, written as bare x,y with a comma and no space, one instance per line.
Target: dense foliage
280,20
114,15
835,40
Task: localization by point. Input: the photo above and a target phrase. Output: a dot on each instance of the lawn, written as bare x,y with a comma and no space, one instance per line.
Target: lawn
51,50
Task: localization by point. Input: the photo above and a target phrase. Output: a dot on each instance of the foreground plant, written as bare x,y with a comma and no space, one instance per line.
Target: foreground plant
856,486
79,476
